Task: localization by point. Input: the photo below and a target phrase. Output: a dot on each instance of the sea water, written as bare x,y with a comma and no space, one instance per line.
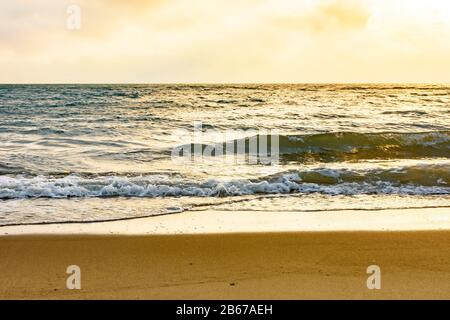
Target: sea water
105,152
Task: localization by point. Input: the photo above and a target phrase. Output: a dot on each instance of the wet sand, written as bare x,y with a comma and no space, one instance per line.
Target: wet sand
210,221
257,265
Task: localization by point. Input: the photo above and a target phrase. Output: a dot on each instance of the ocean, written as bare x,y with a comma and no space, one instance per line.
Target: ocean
84,153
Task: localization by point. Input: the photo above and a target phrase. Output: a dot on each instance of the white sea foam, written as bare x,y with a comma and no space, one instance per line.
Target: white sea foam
123,131
420,180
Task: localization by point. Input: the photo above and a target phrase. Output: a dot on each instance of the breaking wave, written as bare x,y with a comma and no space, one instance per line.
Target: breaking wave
339,146
413,180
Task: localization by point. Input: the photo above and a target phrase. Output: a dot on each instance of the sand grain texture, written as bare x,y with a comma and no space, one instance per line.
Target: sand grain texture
302,265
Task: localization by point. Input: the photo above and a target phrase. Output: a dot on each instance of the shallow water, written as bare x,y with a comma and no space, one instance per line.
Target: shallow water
101,152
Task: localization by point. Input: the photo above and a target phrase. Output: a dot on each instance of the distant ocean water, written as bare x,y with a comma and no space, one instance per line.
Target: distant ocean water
103,152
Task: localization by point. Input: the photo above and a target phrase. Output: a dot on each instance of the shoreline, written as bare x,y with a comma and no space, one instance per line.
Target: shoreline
218,222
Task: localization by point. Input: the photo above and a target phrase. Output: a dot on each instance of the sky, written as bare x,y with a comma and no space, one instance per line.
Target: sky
224,41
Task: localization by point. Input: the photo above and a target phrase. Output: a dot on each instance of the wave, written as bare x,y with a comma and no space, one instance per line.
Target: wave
9,169
343,146
350,145
413,180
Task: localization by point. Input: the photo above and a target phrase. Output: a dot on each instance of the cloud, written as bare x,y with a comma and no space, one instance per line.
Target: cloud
38,24
326,16
224,41
101,17
347,14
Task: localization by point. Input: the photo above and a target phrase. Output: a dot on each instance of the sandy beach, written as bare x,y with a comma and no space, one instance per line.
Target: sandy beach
229,150
247,265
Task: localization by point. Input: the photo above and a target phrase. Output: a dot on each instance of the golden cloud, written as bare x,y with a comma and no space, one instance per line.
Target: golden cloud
327,15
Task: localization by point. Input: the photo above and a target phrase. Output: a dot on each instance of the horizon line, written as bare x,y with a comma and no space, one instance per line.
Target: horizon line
224,83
